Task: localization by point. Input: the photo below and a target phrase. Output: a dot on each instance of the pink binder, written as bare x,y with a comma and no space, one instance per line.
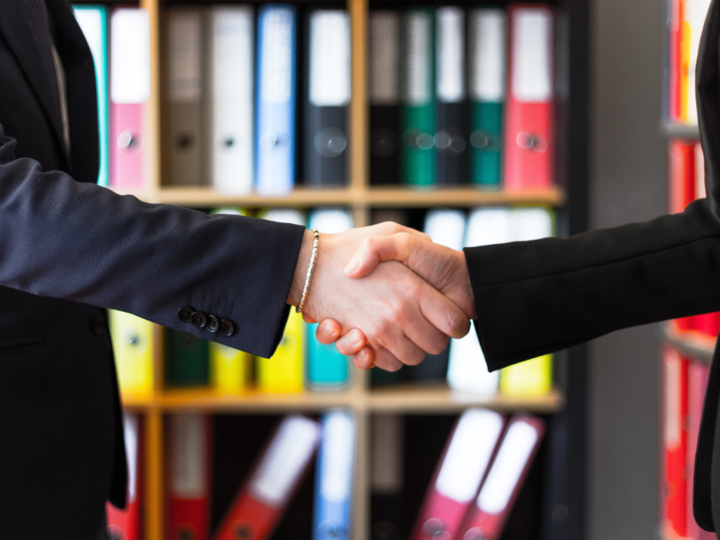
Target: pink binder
698,374
129,93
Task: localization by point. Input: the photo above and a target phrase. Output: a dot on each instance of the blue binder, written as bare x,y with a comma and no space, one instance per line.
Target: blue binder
92,20
327,369
275,137
334,477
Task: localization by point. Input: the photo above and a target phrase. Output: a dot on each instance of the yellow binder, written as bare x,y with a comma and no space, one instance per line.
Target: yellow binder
527,379
283,373
132,339
228,368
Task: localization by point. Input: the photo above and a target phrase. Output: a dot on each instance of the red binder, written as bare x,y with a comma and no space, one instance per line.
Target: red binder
265,494
127,524
129,92
674,394
459,474
698,375
189,483
682,175
487,517
529,124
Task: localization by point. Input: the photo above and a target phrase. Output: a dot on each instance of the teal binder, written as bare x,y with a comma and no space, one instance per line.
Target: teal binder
92,19
326,367
186,359
488,58
418,107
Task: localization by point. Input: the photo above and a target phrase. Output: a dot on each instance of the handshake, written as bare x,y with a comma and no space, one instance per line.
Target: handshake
385,294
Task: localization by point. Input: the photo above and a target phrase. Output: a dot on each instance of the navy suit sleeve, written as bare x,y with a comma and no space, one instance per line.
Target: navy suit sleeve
83,242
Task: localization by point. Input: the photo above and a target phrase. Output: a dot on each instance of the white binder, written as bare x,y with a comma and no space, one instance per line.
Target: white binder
467,370
230,98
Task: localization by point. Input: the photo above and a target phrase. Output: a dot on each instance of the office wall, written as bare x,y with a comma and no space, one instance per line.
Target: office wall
627,184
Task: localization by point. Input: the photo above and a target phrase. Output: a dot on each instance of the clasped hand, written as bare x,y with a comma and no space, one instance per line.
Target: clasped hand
386,295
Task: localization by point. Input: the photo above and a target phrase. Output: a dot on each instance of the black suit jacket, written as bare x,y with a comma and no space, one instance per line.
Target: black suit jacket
539,297
69,248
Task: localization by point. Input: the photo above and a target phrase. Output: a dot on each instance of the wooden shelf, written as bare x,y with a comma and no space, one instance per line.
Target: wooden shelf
441,400
690,344
410,399
680,131
373,196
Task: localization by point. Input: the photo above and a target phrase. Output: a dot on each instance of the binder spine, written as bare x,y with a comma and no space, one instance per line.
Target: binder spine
384,89
418,100
487,61
328,96
530,131
275,91
334,480
452,120
186,359
230,99
185,80
129,91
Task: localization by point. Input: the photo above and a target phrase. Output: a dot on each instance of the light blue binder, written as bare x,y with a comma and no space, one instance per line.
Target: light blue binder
93,22
327,369
334,477
276,74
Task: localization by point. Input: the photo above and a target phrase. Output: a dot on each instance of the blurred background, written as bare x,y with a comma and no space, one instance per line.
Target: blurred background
478,123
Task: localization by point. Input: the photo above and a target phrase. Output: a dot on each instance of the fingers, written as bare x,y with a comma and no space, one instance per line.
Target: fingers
373,251
384,359
328,331
307,318
442,313
364,359
351,343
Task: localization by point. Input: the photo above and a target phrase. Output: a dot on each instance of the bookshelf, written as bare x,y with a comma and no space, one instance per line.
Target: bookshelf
564,405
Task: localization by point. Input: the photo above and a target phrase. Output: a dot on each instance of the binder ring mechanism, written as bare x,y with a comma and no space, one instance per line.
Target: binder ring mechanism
131,141
415,138
435,529
330,142
484,140
528,141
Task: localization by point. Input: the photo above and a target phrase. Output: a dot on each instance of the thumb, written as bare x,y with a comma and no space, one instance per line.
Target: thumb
373,251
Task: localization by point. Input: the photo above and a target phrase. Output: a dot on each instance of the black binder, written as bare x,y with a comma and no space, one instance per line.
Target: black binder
327,96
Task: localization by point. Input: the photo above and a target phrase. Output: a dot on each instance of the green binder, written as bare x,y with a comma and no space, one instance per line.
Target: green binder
485,140
418,98
487,58
186,359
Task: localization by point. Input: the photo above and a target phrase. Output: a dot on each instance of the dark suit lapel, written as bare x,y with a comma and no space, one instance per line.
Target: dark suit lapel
19,36
81,91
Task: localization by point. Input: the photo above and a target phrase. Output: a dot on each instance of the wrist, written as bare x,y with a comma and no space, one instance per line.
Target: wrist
301,269
467,284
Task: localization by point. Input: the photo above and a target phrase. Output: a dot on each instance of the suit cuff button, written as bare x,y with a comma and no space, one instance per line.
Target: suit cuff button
213,324
199,320
185,314
227,328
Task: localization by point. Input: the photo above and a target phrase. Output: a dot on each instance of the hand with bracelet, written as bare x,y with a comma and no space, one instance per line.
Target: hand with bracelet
400,316
441,268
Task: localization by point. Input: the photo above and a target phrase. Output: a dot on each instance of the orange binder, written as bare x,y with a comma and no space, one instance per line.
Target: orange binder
189,483
529,125
262,499
127,524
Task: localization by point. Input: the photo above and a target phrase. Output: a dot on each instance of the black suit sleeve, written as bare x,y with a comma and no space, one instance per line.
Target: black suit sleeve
538,297
82,242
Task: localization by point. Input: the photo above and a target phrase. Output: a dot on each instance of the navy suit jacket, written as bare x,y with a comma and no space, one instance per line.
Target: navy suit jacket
538,297
68,249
